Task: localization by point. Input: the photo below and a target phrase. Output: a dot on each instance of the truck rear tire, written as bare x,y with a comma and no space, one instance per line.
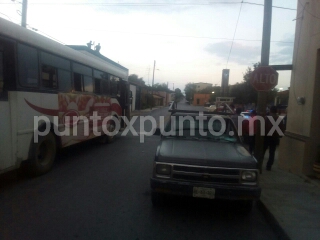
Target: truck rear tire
107,138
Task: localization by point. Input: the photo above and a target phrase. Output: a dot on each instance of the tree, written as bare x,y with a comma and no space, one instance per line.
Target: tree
177,95
161,87
134,78
190,90
245,93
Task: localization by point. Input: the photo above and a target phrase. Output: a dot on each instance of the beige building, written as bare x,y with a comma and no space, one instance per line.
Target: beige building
200,86
300,147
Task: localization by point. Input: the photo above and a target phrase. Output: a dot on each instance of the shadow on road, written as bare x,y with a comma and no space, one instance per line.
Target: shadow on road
221,209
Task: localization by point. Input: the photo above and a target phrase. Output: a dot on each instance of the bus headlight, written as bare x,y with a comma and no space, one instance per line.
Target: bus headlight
249,176
163,169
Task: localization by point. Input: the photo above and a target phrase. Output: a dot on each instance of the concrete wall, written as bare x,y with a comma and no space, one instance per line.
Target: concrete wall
299,148
164,99
199,99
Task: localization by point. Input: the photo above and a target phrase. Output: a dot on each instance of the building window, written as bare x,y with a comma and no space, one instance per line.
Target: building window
198,101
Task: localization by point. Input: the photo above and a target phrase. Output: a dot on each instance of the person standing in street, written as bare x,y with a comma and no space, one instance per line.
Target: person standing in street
271,140
235,117
252,137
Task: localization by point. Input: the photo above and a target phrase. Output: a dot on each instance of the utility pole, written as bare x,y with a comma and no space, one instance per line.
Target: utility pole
148,75
24,13
262,95
154,66
167,93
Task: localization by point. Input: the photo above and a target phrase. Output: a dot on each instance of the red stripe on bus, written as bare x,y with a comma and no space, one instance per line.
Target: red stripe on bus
50,112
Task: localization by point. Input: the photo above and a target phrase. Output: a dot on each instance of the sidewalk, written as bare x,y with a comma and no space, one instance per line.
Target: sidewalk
293,201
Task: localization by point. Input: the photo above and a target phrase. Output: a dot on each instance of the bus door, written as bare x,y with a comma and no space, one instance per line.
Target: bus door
124,98
7,83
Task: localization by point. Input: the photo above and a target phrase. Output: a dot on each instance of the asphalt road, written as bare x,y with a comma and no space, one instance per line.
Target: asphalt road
98,191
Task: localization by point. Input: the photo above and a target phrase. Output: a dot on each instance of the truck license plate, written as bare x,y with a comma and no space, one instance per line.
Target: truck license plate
202,192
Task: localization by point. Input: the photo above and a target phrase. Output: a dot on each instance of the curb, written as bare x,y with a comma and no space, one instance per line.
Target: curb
310,180
276,227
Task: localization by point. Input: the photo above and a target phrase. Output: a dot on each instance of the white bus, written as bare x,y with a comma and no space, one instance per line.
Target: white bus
42,78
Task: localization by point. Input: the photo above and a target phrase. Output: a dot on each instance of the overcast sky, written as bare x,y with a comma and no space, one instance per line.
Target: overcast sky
189,40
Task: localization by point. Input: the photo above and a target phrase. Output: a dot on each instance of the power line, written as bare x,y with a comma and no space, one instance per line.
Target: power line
185,36
234,35
260,4
44,34
131,4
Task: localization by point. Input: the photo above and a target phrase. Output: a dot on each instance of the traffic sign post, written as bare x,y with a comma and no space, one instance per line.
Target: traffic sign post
262,81
264,78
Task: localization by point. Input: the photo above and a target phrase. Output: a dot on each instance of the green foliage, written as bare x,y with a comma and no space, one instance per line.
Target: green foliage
245,93
189,90
207,90
134,78
178,95
161,87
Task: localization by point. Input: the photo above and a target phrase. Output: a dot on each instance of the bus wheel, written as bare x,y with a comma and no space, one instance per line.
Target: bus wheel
106,138
111,129
42,155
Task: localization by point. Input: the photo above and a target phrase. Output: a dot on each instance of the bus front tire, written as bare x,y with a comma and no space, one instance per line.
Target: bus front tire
42,155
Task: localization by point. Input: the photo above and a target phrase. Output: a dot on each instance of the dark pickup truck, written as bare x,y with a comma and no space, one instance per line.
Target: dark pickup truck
203,156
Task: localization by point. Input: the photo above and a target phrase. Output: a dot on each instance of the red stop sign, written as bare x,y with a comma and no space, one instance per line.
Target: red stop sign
264,78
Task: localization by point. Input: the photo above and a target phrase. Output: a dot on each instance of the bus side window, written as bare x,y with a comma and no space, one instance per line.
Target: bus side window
7,69
1,74
97,85
77,82
105,86
28,66
64,80
49,77
87,84
115,86
58,70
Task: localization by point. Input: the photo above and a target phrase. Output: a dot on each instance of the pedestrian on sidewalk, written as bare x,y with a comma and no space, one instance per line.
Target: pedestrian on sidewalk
271,140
